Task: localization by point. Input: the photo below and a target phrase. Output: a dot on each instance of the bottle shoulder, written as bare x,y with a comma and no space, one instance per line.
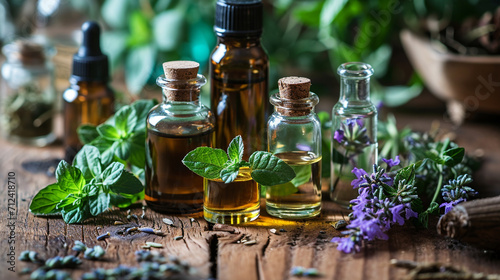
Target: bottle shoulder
254,55
166,115
89,90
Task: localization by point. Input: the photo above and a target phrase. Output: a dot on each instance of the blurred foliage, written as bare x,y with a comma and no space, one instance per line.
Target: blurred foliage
304,37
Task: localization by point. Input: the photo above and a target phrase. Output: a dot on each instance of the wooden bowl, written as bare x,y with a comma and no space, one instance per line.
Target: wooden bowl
468,84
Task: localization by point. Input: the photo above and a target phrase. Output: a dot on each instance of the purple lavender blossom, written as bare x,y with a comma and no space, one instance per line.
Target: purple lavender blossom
346,244
396,214
360,177
339,135
456,191
409,212
391,162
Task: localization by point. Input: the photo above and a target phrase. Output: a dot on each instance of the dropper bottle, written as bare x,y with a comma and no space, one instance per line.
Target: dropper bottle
89,99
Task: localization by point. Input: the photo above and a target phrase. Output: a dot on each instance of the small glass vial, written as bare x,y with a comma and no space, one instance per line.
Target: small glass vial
89,99
354,131
234,203
294,135
175,127
27,95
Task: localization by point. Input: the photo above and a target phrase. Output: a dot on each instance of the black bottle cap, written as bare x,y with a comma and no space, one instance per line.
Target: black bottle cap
239,18
89,63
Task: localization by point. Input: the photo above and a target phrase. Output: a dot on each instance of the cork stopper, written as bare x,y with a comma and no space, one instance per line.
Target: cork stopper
179,72
294,87
290,90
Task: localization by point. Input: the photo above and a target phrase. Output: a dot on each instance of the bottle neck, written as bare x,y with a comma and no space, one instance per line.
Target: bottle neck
354,89
239,42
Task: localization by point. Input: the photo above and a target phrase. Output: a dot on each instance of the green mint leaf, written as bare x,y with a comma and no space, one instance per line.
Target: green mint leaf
69,200
125,120
99,203
92,188
88,160
123,149
126,183
229,173
112,173
206,162
453,156
108,132
69,178
46,200
432,155
77,212
282,189
106,149
138,155
87,133
235,149
142,108
269,170
125,200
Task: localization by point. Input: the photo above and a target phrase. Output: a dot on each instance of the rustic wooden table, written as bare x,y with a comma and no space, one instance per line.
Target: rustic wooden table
216,254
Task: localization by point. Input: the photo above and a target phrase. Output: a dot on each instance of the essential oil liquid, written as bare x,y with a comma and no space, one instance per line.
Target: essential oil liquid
233,203
301,198
240,107
170,186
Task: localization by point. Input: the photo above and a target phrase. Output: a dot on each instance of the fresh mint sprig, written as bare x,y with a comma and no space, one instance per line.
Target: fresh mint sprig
97,179
82,193
212,163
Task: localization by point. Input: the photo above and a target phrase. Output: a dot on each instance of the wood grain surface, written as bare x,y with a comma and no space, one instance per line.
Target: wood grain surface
215,251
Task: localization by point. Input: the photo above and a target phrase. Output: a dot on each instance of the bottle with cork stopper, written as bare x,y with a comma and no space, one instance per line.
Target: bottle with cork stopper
175,127
89,98
294,135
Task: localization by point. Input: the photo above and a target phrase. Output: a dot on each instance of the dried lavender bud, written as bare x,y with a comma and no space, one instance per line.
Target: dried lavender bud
26,270
297,271
250,242
154,244
282,230
168,221
30,256
135,217
60,262
147,230
340,224
117,223
178,237
311,272
94,253
79,247
129,230
103,236
273,230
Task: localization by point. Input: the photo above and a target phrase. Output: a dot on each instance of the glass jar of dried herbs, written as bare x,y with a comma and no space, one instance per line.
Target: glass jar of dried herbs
27,94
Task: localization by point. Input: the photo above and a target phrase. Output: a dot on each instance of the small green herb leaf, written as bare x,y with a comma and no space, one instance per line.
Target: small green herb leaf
138,155
77,212
303,174
453,156
87,133
69,178
126,183
206,162
269,170
229,173
69,200
235,149
46,200
108,132
99,203
123,149
112,173
125,120
89,162
142,108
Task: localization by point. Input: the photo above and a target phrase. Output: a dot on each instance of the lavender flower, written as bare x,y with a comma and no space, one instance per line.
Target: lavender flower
375,210
456,192
391,162
339,135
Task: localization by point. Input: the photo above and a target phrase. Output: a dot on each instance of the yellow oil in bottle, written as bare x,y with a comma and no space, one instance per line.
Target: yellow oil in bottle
300,198
233,203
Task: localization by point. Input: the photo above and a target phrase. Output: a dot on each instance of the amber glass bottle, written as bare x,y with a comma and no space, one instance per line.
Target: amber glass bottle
89,99
239,75
175,127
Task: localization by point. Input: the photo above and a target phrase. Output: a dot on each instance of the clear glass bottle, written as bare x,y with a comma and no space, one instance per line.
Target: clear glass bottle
89,99
27,95
239,72
175,127
294,135
354,131
234,203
